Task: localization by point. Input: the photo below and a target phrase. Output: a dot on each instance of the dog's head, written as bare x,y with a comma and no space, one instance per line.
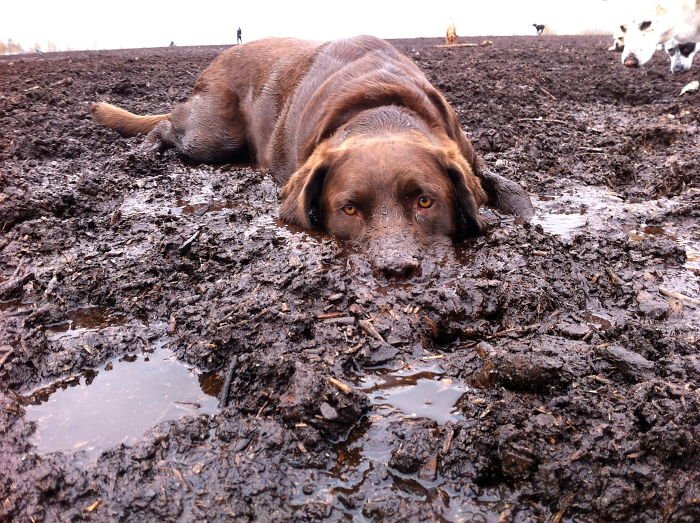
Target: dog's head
681,55
647,31
395,194
618,44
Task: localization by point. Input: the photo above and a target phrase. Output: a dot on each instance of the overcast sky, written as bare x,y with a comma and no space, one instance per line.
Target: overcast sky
82,24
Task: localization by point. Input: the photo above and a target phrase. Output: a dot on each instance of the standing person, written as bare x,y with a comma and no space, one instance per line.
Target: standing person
239,36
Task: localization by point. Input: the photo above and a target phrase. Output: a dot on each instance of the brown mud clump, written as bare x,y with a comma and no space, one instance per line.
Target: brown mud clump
169,350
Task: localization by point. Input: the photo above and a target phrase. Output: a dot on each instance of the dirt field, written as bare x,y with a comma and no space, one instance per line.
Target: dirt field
545,372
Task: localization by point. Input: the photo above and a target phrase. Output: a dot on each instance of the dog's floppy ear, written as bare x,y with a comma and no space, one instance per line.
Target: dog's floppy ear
503,194
469,195
301,195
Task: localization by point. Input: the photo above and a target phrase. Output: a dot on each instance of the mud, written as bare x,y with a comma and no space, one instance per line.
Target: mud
546,371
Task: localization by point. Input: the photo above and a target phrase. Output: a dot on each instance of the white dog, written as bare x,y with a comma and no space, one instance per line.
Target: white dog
678,20
618,44
681,54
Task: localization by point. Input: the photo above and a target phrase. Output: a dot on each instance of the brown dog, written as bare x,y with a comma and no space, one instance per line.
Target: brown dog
451,35
366,148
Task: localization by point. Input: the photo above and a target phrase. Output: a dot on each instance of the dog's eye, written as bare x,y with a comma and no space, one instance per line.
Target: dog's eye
349,209
425,203
645,25
623,28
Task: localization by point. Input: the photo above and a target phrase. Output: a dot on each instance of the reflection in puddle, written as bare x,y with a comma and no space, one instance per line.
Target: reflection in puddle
108,407
85,319
560,224
365,455
692,248
195,204
583,206
423,394
263,223
600,210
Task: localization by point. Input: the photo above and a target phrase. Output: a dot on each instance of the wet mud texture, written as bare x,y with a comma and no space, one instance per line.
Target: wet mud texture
577,352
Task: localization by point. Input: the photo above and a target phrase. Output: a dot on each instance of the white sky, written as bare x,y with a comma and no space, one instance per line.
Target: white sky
83,24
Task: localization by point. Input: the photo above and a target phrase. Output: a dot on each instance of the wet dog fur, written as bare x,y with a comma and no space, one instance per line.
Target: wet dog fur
365,148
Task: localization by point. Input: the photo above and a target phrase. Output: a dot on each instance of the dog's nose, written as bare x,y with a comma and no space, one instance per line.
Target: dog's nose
398,266
631,61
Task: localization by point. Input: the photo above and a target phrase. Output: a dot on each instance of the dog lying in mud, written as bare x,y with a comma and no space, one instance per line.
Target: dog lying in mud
365,147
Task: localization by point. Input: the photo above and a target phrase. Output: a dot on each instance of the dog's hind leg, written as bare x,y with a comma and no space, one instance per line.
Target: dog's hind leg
207,128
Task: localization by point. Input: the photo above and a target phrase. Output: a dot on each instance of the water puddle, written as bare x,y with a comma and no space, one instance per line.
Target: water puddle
267,223
196,204
116,404
364,457
692,248
599,209
85,319
418,394
563,214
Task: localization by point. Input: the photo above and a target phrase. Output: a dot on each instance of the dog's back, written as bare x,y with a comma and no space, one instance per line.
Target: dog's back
346,77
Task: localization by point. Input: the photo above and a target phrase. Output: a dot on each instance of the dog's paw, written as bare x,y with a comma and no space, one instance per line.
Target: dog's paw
151,147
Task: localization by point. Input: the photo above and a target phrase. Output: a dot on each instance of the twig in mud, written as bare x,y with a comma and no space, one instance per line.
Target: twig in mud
369,329
329,315
181,477
226,389
691,302
614,278
448,441
257,416
189,241
513,330
548,93
543,120
346,389
5,356
592,149
565,502
433,357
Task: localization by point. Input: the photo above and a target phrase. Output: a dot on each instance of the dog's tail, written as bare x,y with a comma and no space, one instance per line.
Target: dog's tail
125,123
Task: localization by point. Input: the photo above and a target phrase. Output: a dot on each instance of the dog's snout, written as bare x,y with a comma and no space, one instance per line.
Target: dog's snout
631,61
398,266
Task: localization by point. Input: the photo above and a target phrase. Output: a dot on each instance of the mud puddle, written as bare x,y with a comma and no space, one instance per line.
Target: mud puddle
141,203
410,398
417,393
116,404
601,210
85,319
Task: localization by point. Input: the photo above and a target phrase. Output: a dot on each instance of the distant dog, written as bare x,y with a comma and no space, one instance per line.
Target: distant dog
539,28
365,147
451,36
618,44
668,20
681,55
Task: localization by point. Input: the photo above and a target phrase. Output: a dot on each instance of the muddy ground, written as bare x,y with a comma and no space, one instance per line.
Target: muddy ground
546,371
